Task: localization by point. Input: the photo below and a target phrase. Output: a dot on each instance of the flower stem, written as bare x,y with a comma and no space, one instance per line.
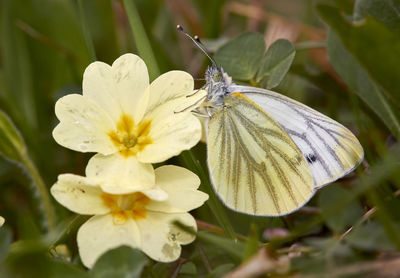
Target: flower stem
141,40
42,190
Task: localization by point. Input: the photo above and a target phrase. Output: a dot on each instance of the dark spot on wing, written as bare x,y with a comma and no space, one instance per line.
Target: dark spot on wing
311,158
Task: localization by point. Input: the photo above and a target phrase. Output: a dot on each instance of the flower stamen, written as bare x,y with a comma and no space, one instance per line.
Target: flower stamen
124,207
130,139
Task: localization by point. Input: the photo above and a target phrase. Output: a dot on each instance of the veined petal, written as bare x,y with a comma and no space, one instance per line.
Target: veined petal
169,86
160,238
83,125
170,134
99,234
132,79
79,194
120,175
181,186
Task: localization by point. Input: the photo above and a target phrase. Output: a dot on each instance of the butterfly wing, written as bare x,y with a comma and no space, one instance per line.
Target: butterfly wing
330,149
256,167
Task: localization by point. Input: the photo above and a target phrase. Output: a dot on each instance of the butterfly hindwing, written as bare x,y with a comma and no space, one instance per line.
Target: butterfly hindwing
255,166
330,149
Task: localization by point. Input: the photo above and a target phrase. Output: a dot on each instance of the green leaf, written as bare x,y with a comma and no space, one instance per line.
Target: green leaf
360,82
240,57
370,236
386,11
234,248
276,63
34,256
344,216
373,45
12,145
122,262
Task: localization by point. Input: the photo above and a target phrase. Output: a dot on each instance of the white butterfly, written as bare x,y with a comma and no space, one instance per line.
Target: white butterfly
267,153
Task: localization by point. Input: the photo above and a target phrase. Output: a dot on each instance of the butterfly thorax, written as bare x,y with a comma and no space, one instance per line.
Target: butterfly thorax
218,85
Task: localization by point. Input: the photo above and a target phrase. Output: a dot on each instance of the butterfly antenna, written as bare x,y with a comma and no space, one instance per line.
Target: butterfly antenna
197,42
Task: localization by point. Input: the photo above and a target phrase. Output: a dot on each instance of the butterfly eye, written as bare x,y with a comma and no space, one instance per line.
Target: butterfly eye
217,77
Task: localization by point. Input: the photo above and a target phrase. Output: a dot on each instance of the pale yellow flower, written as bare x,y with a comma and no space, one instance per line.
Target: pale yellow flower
120,114
142,220
2,220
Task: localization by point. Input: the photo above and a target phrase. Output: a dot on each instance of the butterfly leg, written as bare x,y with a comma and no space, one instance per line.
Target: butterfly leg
198,90
192,105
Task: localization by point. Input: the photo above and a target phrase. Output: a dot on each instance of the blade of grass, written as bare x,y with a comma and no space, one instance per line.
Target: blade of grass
141,40
193,164
86,32
13,148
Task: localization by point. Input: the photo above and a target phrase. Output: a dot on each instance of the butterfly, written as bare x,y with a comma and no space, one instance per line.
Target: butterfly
267,153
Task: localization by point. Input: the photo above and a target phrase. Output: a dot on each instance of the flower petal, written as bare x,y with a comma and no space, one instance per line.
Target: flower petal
79,194
170,134
99,234
160,238
99,85
181,186
120,175
118,88
132,79
2,220
169,86
155,194
83,125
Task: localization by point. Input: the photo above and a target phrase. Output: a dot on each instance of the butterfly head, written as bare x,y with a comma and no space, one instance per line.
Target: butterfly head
218,83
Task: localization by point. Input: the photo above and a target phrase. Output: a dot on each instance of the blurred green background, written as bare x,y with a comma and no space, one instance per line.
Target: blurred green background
346,65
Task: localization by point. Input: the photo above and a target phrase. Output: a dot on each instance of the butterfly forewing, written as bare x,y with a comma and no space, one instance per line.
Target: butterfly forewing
330,149
255,166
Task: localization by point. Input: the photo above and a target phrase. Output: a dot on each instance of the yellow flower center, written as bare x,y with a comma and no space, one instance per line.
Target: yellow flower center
124,207
130,138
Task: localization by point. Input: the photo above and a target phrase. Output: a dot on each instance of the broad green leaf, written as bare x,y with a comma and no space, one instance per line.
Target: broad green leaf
387,11
241,57
36,262
370,236
12,145
360,82
122,262
374,46
234,248
344,216
276,63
